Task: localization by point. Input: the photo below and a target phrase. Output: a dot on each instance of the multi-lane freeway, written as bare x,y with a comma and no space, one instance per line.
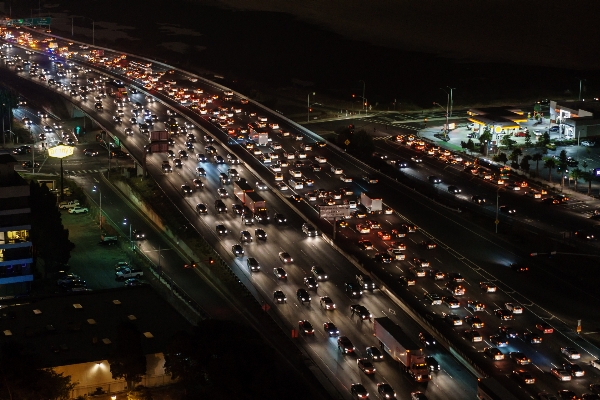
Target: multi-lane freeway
462,246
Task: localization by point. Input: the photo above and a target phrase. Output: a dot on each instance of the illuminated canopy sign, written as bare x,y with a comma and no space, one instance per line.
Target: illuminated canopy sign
26,21
61,151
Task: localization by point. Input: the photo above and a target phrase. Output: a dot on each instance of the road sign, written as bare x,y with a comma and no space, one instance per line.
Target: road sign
335,211
347,142
26,21
117,141
497,222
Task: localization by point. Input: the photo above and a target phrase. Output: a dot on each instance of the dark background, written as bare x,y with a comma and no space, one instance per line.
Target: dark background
505,52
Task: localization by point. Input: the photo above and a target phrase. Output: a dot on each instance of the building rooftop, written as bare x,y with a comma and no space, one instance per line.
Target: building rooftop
81,327
589,106
8,175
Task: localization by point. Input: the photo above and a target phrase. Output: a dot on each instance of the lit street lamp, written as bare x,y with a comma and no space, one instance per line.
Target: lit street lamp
61,151
125,222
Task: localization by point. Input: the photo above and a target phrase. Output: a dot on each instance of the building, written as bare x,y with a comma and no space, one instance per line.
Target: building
500,120
75,333
579,120
15,224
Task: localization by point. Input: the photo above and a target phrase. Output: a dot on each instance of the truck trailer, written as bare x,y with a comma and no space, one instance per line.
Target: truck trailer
373,205
401,348
240,188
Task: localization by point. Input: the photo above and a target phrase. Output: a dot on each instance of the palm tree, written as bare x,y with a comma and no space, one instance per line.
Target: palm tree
576,174
550,164
588,177
537,157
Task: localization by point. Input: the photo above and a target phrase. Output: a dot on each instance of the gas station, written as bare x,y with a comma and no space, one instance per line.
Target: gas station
500,120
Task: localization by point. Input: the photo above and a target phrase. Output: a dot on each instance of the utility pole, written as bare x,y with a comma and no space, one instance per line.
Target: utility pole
451,100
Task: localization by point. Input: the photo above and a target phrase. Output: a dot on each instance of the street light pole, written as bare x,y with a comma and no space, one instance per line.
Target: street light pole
451,100
100,193
364,106
447,105
308,107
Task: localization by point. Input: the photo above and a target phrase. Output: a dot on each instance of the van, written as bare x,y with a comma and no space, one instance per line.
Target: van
296,184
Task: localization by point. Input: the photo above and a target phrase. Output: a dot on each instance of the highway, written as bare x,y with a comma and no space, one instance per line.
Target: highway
474,253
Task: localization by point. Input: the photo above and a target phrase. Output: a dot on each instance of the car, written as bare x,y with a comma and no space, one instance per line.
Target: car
386,391
370,179
514,308
245,237
221,230
571,353
494,353
222,192
574,369
186,189
306,327
345,345
428,244
384,235
360,228
518,267
280,273
530,337
253,264
524,376
374,353
65,279
260,234
131,282
416,159
311,283
427,339
488,287
504,315
285,257
475,305
454,189
361,311
331,329
432,364
507,210
455,288
544,327
366,366
318,273
519,358
137,234
237,250
433,298
358,390
434,179
421,262
499,340
418,396
280,219
279,297
326,302
303,296
478,199
584,235
473,335
508,332
451,302
409,228
453,319
383,258
78,210
474,322
561,374
90,152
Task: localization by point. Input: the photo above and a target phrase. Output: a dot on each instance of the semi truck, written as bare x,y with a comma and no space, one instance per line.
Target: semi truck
401,348
372,204
117,90
250,198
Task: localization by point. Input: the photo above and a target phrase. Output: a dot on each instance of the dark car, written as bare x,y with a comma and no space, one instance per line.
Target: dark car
331,329
279,297
454,189
138,235
201,208
374,353
432,364
478,199
280,219
361,311
345,345
260,234
359,391
427,339
221,230
303,296
237,250
306,327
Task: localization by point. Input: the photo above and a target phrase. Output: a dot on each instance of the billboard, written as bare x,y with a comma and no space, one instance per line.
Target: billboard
335,211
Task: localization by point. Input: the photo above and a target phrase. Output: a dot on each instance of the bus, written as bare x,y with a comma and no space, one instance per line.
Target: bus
491,389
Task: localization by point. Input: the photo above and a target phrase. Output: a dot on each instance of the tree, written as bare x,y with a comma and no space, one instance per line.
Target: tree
484,139
128,360
550,164
537,157
49,237
524,164
516,153
588,177
362,144
506,141
470,145
544,139
584,164
528,142
562,157
502,158
576,174
22,378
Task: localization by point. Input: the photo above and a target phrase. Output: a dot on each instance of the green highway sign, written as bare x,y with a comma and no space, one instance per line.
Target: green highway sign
26,21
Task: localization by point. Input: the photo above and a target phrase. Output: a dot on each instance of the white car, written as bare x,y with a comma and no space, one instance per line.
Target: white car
587,143
515,308
320,160
345,178
278,176
282,186
78,210
337,171
570,352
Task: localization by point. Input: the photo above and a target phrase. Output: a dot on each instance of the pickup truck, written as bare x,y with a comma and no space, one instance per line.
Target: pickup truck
65,205
128,272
